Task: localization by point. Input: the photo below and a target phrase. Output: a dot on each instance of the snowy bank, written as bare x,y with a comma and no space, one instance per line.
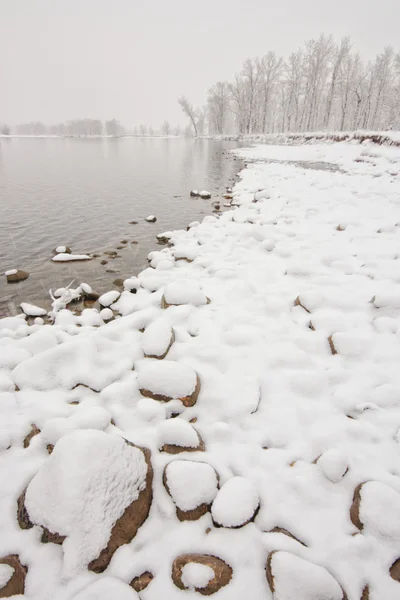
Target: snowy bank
259,379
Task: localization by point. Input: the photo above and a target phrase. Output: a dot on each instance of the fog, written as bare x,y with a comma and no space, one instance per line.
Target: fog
65,59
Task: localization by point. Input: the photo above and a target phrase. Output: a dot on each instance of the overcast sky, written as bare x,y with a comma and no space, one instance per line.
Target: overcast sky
64,59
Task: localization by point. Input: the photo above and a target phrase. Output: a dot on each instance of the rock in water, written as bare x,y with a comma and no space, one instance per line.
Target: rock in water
16,275
151,219
204,194
94,492
30,310
62,250
194,193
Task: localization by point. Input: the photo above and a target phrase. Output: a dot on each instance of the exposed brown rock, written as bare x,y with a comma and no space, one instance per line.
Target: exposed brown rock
104,262
34,431
50,447
161,356
297,302
141,582
186,400
193,420
340,228
311,326
15,585
91,296
118,282
394,571
286,532
124,241
222,571
133,222
365,593
332,345
22,514
355,508
18,276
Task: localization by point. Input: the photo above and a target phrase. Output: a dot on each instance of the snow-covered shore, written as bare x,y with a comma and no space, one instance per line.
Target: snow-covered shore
260,355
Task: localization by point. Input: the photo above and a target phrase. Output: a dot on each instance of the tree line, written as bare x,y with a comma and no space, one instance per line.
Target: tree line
76,127
322,86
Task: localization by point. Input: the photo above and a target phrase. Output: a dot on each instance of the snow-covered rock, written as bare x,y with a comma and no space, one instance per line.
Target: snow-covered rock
157,338
12,576
30,310
192,486
236,503
62,250
65,257
187,575
109,298
151,219
176,435
204,194
291,577
376,509
15,275
184,292
168,380
106,314
333,464
85,487
132,285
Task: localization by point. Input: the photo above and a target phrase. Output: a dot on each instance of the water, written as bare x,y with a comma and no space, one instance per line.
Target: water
82,193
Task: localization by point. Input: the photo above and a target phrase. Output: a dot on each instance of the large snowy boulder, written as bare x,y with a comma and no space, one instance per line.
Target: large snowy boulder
376,508
12,576
158,339
236,504
183,292
188,573
30,310
192,486
91,496
293,578
177,435
168,380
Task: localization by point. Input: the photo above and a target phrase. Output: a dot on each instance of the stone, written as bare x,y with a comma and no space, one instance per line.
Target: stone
124,529
133,222
151,219
161,355
176,449
340,228
376,506
16,275
203,481
293,578
332,345
297,302
34,431
222,572
194,193
394,571
205,195
16,584
189,400
236,504
62,250
104,262
141,582
118,282
286,532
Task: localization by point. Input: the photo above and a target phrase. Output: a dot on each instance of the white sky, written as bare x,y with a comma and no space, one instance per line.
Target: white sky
62,59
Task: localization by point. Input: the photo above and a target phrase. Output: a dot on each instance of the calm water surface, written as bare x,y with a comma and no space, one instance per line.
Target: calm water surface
82,193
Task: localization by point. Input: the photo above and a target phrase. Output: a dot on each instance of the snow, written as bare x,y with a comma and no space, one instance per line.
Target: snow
11,272
61,249
157,337
86,289
109,298
106,588
69,257
31,310
191,483
6,572
106,314
302,580
204,194
235,503
195,575
167,378
81,491
178,433
304,427
184,292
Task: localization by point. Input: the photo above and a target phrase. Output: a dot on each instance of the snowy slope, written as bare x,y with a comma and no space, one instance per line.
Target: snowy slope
297,352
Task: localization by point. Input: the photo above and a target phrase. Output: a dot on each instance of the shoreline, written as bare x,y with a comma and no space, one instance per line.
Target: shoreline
256,358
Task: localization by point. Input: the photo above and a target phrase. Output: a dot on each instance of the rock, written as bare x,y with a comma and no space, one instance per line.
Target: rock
133,222
176,436
333,464
222,572
286,532
205,195
91,296
106,314
132,285
89,503
394,571
151,219
376,506
104,262
332,345
30,310
192,486
109,298
34,431
167,380
15,584
228,196
236,504
62,250
141,582
65,257
186,292
341,228
16,275
194,193
118,282
293,578
158,338
297,302
165,237
365,593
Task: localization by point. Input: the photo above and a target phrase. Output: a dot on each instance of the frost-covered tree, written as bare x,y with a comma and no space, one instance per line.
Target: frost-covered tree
165,128
5,130
218,106
189,111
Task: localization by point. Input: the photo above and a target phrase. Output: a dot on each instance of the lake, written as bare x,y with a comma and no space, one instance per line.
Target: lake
83,193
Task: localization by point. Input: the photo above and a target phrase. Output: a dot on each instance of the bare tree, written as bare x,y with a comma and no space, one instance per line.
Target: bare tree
5,130
143,130
218,106
165,128
189,111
